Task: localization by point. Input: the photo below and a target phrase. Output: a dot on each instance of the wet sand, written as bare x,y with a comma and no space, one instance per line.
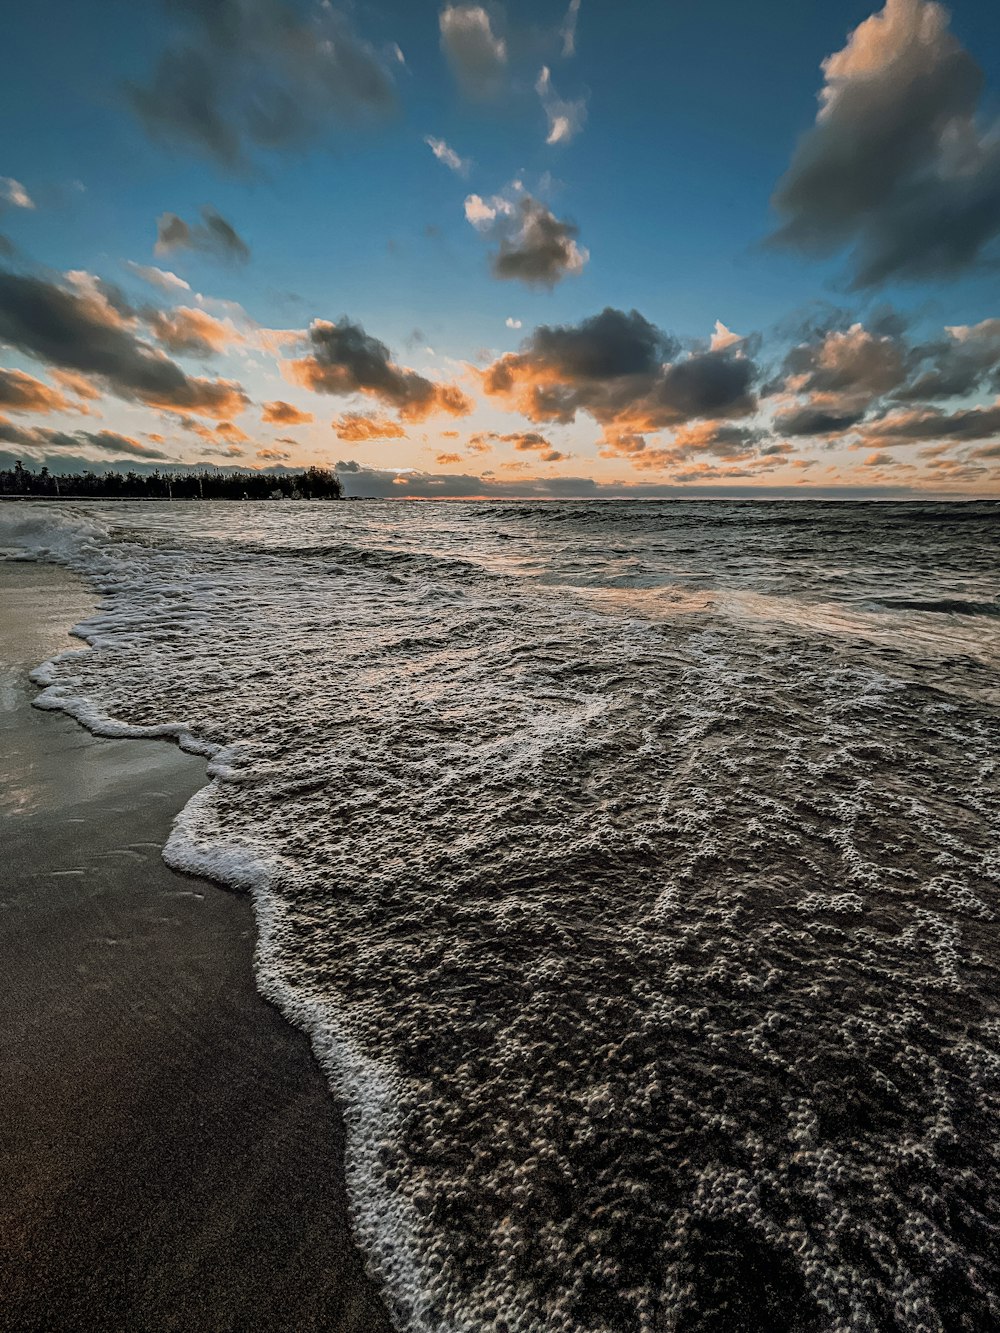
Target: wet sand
171,1157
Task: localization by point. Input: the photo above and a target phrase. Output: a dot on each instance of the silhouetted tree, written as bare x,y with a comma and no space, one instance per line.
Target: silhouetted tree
315,483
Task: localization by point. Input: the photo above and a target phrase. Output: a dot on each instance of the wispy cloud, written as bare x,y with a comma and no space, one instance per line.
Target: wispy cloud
447,155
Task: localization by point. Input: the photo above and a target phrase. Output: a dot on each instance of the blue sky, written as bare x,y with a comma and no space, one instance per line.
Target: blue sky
688,117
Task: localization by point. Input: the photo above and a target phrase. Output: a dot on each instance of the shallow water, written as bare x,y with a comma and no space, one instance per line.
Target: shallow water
634,867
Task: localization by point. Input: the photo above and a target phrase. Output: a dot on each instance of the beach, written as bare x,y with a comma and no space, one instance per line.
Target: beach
172,1156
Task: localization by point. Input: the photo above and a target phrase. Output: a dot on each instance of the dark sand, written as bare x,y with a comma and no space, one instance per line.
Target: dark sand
170,1155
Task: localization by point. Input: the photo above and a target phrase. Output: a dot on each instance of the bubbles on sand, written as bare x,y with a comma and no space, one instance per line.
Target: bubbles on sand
651,944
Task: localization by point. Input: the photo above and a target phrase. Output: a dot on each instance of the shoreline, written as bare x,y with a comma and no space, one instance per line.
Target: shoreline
174,1155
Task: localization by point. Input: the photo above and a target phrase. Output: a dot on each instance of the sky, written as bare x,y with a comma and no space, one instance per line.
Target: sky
539,249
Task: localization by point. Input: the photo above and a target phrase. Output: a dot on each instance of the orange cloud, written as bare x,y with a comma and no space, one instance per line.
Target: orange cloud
344,359
356,427
77,384
23,393
284,414
448,458
624,372
185,330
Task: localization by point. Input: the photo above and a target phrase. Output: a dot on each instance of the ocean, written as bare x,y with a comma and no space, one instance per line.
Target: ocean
633,867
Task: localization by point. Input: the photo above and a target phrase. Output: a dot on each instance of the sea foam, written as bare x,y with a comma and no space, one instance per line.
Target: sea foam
643,920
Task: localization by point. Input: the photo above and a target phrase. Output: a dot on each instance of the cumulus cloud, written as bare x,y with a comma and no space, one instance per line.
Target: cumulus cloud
512,323
356,427
447,155
853,379
246,75
533,245
477,56
215,236
13,194
964,361
566,119
623,371
273,455
280,413
162,279
86,328
448,458
344,359
897,166
835,376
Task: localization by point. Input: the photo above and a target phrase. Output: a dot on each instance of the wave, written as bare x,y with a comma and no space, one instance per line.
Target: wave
946,606
655,963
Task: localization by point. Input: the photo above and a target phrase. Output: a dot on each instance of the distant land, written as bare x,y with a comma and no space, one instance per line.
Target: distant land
314,483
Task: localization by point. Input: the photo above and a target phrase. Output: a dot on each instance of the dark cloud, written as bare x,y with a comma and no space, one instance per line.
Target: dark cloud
533,245
361,481
215,236
927,425
476,54
242,75
40,439
964,362
344,359
809,420
625,373
80,329
896,166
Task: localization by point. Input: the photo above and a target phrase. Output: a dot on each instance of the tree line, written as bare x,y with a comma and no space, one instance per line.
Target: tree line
314,483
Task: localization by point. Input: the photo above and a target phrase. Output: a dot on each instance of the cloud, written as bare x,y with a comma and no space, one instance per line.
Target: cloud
104,441
959,364
247,75
835,377
273,455
13,194
192,332
623,371
80,328
813,420
215,237
512,323
77,384
923,425
387,484
723,337
448,458
23,393
896,167
534,246
566,119
344,359
356,427
477,56
280,413
568,30
160,278
460,165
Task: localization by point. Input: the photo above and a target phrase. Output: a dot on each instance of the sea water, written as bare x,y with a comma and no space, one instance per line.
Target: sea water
633,866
